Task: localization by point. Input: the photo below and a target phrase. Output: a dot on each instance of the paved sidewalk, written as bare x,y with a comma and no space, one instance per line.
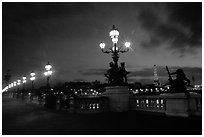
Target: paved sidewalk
19,118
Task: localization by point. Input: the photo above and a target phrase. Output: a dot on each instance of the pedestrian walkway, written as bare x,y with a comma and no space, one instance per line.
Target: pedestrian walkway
19,118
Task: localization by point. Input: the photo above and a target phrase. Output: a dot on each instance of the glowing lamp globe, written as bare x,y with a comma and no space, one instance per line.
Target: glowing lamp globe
45,73
32,78
114,33
113,48
32,74
24,81
24,78
49,72
127,44
19,82
48,66
102,45
114,40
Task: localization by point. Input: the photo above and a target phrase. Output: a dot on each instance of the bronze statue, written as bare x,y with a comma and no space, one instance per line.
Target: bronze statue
178,84
117,76
123,72
110,73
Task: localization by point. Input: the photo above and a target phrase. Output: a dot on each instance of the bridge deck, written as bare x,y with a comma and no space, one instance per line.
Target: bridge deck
19,118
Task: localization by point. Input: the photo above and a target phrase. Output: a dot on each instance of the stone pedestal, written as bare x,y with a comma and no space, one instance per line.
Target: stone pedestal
118,98
177,104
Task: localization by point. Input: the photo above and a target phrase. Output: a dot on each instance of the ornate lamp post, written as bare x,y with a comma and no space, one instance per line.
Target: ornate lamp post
11,94
114,75
48,73
115,50
49,97
14,91
117,90
32,79
24,82
18,83
9,86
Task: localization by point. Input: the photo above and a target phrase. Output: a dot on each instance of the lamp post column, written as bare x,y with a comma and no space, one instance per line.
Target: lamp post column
115,56
48,84
32,85
32,80
48,73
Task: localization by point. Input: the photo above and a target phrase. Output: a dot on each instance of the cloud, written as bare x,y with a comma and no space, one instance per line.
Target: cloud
79,80
93,71
179,25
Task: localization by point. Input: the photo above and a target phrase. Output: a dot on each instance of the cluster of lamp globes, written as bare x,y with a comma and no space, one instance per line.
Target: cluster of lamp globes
114,34
48,73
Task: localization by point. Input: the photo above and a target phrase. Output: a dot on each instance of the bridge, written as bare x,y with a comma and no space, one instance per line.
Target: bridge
166,114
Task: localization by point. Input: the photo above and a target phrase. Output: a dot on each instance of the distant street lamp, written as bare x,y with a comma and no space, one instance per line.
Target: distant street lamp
11,85
32,79
24,82
48,73
14,84
18,83
14,90
11,91
115,50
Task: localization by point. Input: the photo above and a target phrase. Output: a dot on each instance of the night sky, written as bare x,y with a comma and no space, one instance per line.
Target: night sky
68,36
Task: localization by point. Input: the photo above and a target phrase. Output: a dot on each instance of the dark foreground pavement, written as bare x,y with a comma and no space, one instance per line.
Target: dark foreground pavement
19,118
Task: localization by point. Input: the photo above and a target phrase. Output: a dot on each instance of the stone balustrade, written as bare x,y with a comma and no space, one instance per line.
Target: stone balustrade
150,103
90,104
171,104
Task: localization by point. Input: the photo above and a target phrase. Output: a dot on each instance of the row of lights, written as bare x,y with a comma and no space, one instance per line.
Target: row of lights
114,34
48,73
150,90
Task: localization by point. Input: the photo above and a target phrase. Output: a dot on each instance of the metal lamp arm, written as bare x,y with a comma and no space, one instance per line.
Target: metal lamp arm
123,51
107,51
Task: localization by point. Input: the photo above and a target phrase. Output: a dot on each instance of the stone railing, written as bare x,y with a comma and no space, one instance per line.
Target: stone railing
91,104
151,103
34,100
171,104
195,104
